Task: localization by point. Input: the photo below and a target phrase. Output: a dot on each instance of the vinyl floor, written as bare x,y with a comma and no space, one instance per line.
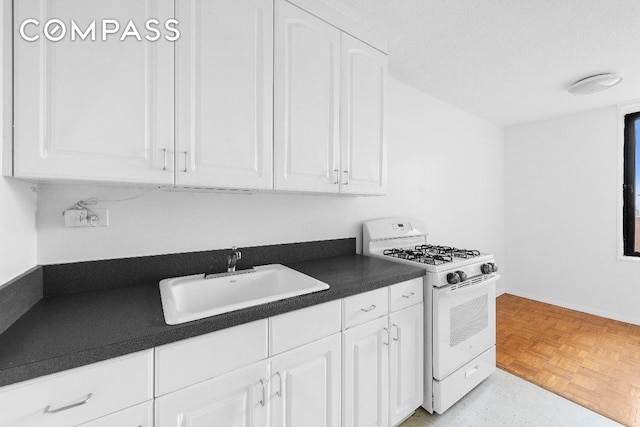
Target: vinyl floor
506,400
590,360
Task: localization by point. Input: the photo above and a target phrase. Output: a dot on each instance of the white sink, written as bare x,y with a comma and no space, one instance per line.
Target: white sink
195,297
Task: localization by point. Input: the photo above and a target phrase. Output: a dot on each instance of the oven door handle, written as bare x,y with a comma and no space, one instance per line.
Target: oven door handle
448,292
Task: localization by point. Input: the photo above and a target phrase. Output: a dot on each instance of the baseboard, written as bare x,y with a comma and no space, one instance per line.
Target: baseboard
576,307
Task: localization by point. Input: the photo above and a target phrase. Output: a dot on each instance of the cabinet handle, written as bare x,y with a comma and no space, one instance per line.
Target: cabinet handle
397,338
164,159
48,409
387,331
336,173
279,392
263,383
186,160
368,309
409,296
347,175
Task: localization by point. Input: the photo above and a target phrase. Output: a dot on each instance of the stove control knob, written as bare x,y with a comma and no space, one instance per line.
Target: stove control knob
486,269
463,275
453,278
494,266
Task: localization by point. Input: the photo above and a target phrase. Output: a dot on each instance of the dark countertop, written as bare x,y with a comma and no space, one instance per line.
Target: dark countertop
68,331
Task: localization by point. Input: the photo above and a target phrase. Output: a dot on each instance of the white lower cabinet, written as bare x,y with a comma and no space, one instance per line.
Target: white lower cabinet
300,387
406,362
383,358
366,375
297,369
236,399
79,395
203,381
305,385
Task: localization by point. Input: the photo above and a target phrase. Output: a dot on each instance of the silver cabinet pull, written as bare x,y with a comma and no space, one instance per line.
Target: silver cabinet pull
370,308
186,160
279,392
347,180
387,331
263,383
397,338
409,296
48,409
336,174
164,159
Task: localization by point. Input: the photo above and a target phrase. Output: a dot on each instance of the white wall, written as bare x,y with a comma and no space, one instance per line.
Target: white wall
446,167
17,200
562,215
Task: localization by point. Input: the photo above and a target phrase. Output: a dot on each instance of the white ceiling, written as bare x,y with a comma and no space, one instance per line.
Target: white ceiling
509,61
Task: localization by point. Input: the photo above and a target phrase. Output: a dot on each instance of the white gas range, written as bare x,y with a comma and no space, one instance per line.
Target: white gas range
459,297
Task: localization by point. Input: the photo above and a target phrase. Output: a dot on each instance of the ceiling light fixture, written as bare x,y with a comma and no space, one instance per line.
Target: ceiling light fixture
593,84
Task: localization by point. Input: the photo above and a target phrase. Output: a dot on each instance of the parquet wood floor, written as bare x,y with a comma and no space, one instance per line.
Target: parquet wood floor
590,360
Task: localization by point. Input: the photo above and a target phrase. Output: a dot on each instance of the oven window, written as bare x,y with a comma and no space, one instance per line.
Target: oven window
468,319
631,210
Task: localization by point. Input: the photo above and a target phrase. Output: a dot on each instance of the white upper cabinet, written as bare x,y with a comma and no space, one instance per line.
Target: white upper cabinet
232,95
363,143
93,110
307,101
224,94
329,108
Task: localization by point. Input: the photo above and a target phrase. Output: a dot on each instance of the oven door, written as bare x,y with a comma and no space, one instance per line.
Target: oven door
464,324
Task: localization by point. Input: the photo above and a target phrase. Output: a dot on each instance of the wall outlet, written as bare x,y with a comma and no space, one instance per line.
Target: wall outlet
86,217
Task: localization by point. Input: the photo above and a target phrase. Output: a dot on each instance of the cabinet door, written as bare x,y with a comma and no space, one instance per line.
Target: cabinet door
307,98
305,385
406,362
224,87
366,375
237,399
93,110
363,142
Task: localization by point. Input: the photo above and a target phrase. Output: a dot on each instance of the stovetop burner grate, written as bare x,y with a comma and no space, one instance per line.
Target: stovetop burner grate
431,254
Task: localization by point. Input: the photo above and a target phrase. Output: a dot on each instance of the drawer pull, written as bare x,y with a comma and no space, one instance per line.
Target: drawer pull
388,336
48,409
409,296
263,401
370,308
279,392
471,371
186,161
164,159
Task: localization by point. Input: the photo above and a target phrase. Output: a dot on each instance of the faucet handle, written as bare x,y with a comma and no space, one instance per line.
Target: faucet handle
236,252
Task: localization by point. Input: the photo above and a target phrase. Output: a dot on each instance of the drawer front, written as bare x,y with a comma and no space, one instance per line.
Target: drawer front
137,416
293,329
79,395
405,294
451,389
361,308
196,359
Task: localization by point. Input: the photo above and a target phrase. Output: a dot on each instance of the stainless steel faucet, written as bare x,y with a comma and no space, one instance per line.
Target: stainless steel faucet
233,259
